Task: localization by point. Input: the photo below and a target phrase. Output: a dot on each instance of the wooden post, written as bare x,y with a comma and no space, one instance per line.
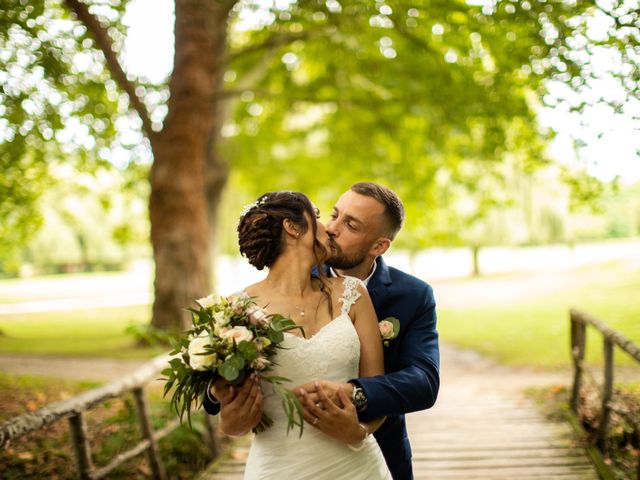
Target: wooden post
578,347
157,467
81,447
607,392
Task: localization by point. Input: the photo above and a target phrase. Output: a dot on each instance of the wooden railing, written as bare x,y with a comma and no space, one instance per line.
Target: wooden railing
74,410
611,338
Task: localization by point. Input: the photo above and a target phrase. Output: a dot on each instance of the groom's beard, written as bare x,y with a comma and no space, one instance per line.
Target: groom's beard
338,259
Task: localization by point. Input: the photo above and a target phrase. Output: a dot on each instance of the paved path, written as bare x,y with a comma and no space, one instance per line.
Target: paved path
483,427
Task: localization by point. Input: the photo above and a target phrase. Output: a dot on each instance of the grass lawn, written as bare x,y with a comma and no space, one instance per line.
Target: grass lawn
521,320
534,330
97,333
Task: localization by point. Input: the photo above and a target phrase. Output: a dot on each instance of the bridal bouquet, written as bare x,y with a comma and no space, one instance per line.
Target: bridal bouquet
231,338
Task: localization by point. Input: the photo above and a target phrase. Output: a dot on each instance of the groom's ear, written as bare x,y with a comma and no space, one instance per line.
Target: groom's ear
380,246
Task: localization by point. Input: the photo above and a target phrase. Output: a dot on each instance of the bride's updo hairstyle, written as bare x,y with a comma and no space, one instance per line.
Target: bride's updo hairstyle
260,231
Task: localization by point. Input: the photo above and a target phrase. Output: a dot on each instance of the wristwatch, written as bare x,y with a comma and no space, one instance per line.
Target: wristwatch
359,398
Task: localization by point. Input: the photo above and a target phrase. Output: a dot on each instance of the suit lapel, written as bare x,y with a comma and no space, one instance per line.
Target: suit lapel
379,284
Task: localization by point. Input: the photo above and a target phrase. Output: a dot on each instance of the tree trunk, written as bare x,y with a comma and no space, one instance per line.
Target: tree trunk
475,251
180,173
215,183
216,168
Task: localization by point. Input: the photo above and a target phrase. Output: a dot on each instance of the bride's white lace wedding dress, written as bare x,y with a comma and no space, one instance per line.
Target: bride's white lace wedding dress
333,354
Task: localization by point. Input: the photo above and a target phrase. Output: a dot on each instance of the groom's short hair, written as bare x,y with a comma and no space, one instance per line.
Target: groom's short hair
393,208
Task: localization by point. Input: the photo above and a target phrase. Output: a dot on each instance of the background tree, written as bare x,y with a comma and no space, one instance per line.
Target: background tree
313,93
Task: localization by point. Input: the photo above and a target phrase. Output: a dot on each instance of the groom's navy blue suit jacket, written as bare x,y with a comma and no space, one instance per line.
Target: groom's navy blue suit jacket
411,362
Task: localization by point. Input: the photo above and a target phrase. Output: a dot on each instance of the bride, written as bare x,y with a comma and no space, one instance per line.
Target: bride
341,341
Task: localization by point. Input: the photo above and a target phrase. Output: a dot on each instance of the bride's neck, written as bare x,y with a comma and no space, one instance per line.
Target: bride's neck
290,275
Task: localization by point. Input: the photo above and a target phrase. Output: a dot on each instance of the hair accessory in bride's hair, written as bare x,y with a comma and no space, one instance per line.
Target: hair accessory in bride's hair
257,203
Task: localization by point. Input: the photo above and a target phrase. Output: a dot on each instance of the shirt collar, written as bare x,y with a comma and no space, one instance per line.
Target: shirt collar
333,273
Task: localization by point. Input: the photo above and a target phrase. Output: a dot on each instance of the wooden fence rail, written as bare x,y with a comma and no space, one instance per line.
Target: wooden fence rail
74,410
611,338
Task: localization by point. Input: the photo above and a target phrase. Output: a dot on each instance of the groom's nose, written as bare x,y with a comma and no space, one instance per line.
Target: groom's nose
330,228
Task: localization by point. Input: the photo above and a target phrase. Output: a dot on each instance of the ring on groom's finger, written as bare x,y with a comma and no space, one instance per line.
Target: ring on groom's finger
315,420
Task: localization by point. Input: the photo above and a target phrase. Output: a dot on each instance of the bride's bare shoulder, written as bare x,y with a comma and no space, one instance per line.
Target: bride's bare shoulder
253,290
334,283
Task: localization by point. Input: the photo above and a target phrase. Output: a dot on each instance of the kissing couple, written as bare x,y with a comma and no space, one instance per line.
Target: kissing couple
370,350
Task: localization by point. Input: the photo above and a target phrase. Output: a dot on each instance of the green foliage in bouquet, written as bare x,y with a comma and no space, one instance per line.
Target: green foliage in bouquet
231,338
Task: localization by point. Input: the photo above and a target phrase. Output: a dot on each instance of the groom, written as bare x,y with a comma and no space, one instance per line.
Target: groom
364,222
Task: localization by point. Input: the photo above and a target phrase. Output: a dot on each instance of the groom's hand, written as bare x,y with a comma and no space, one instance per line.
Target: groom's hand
330,389
336,419
241,409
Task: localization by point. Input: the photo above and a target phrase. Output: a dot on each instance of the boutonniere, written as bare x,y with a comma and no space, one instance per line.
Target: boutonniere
389,329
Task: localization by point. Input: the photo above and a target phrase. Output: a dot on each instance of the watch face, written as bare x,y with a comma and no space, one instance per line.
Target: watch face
359,398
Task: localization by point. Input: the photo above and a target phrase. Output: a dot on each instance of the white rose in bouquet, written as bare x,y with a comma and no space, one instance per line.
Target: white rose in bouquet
196,349
207,302
227,334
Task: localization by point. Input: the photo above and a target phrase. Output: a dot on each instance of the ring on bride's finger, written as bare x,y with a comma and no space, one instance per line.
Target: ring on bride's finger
315,421
319,405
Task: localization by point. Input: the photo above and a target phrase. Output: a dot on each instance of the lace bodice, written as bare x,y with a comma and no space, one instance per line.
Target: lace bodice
333,353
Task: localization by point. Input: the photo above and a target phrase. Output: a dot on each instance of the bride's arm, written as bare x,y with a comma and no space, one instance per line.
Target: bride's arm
365,322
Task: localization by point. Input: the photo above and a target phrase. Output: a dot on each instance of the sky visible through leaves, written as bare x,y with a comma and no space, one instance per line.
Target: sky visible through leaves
606,139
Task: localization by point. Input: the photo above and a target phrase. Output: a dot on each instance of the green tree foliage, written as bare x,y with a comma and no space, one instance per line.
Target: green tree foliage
436,99
90,222
428,96
56,100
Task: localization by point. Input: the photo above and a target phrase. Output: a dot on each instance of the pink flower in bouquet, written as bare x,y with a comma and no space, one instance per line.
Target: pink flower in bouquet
260,364
231,338
237,334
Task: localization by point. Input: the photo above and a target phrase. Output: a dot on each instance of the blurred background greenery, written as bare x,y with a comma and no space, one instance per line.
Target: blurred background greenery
132,133
500,124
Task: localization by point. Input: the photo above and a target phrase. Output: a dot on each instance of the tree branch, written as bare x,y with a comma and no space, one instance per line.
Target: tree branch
105,43
274,41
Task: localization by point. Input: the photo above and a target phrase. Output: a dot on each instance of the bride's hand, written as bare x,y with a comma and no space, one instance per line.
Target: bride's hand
222,391
330,389
241,411
338,420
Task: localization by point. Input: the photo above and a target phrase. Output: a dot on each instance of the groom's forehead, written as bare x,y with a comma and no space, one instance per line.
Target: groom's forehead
360,207
357,200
